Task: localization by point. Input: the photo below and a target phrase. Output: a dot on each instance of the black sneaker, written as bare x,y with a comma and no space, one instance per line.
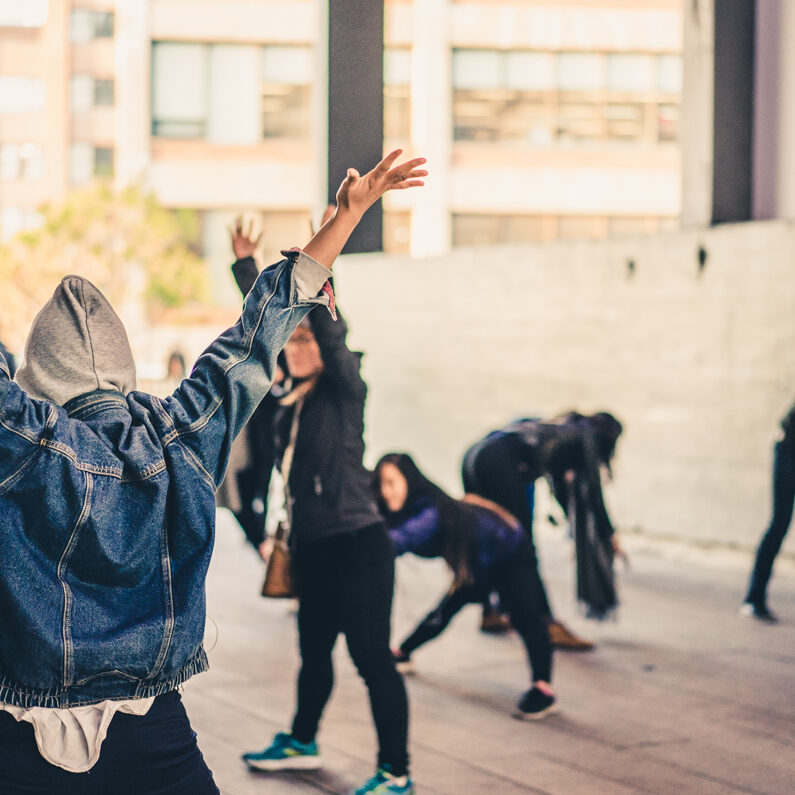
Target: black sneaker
759,612
534,705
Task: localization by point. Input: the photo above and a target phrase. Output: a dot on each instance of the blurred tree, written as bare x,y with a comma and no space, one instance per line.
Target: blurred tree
125,242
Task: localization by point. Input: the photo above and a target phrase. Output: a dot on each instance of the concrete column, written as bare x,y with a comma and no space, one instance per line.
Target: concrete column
774,115
132,52
697,113
431,126
356,103
733,110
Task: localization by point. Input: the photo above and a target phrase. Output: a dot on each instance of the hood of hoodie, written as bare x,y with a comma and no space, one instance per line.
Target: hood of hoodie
77,344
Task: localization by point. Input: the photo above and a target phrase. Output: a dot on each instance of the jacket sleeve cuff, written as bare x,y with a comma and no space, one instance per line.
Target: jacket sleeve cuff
310,276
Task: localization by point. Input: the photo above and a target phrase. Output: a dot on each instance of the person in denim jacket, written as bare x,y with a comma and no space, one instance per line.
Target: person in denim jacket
108,518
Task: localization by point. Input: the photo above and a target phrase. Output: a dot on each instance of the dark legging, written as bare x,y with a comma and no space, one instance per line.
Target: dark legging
520,593
152,753
500,469
345,586
783,499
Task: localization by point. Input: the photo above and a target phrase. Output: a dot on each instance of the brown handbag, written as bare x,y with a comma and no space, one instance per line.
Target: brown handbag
278,582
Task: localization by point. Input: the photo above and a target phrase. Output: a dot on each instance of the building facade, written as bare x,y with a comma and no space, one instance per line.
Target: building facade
541,121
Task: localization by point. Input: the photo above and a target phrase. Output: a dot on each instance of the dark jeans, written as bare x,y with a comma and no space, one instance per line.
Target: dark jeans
520,593
141,755
345,586
499,471
783,499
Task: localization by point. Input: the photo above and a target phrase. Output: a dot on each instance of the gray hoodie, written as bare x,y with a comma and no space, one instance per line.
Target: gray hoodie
77,344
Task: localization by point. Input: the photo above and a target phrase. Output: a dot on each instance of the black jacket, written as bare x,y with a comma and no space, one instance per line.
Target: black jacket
329,485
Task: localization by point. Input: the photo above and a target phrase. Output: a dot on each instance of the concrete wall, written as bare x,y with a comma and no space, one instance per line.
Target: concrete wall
698,364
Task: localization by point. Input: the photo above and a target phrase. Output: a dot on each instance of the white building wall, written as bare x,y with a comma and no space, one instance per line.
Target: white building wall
698,364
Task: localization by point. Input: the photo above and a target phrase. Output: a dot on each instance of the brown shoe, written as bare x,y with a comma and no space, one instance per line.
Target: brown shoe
495,623
562,637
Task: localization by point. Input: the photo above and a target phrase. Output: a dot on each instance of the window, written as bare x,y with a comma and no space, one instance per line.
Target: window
22,94
87,161
565,98
14,220
21,161
486,229
179,90
103,93
87,92
87,24
286,92
191,96
23,14
397,98
103,161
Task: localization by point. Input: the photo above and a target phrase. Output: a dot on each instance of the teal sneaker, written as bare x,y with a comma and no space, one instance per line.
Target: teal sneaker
285,753
384,783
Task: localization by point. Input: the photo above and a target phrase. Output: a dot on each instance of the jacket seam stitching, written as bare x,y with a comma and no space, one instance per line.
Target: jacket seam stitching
168,630
29,438
68,650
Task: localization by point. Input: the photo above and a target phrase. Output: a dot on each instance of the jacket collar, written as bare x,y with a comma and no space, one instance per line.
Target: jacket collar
89,403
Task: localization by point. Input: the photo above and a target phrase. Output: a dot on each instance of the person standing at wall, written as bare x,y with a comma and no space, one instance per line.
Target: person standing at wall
755,604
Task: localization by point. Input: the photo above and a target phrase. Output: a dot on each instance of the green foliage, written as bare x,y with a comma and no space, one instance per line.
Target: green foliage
124,241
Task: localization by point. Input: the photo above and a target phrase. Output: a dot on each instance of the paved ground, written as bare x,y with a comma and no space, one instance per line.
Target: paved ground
681,696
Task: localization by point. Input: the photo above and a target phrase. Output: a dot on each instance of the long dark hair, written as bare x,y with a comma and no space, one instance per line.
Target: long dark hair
603,427
457,520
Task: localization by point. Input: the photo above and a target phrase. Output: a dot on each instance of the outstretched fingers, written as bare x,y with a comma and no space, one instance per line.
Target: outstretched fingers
407,175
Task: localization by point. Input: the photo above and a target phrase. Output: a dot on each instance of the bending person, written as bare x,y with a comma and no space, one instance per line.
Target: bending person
485,549
342,559
567,449
755,604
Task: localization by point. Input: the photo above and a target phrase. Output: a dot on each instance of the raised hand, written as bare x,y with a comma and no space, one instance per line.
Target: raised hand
355,195
358,193
243,244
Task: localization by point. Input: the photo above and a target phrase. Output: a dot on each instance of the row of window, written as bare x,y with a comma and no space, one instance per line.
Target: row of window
541,98
480,229
191,96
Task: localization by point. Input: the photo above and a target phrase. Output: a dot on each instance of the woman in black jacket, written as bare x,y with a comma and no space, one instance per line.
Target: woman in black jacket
570,450
342,557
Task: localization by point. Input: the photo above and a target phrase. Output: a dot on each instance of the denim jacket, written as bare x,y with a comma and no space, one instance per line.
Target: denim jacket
107,513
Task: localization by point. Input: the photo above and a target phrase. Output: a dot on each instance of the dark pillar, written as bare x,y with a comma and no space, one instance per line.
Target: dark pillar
734,91
356,103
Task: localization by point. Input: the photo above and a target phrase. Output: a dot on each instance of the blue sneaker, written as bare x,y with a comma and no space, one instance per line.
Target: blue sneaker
384,783
285,753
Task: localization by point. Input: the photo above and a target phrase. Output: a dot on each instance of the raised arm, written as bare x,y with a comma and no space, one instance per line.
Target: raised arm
233,375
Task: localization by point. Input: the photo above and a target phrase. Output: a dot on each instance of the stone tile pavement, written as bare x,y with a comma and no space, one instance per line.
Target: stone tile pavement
680,696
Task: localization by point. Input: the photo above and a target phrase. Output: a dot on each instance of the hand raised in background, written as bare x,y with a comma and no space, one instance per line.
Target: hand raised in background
244,244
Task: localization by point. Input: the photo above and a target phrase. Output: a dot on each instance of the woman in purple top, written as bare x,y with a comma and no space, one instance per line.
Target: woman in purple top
485,549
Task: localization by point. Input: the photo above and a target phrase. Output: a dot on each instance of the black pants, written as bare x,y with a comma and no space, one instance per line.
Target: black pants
521,592
345,586
141,755
499,470
783,500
